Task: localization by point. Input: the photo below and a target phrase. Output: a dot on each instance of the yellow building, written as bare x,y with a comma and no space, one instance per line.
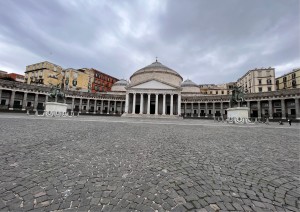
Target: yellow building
289,80
78,79
212,89
258,80
44,73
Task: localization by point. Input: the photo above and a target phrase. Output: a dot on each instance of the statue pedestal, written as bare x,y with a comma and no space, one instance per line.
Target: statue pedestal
56,107
238,112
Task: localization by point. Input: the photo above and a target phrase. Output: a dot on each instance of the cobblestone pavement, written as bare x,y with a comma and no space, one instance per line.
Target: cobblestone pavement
115,164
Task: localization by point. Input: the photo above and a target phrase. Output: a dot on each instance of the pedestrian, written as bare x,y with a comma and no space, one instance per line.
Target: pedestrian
290,121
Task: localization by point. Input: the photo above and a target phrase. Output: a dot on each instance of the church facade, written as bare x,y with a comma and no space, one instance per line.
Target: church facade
153,91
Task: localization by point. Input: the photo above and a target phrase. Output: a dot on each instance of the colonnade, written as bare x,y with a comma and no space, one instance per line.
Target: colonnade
153,103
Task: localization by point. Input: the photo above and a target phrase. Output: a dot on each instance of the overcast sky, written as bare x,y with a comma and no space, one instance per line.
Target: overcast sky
207,41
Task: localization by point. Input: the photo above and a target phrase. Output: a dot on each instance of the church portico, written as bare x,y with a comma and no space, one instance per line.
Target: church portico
152,103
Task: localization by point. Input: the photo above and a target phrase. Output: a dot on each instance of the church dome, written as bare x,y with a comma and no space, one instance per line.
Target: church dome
190,86
157,71
119,85
121,82
189,83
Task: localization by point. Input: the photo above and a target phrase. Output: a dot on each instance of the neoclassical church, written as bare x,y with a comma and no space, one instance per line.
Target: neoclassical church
153,91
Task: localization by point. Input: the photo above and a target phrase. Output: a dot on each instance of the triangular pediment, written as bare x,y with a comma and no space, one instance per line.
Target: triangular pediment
154,84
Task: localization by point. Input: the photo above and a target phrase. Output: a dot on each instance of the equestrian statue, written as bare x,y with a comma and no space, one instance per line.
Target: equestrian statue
56,92
237,96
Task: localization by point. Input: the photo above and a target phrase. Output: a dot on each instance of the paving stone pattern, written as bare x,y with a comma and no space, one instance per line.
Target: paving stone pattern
96,165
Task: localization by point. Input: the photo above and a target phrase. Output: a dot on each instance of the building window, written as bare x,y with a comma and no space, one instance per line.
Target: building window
284,85
284,79
259,89
259,81
216,92
294,83
269,89
269,81
222,92
293,75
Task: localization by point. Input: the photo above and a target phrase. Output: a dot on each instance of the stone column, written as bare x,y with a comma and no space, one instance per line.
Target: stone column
198,109
108,106
133,104
297,108
270,109
249,110
24,103
73,103
102,105
115,107
283,109
12,100
95,106
179,105
126,102
214,109
148,104
142,104
80,105
192,109
36,99
88,106
206,111
164,104
121,107
156,104
259,109
171,105
221,108
185,109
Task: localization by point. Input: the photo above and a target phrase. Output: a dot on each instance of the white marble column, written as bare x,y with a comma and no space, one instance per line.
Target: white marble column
259,109
206,111
171,105
156,104
249,111
101,110
12,100
164,104
73,102
126,103
95,106
221,107
198,109
36,99
121,107
142,103
270,109
283,109
297,108
133,103
24,103
179,105
214,109
88,106
115,107
148,104
80,105
108,106
192,109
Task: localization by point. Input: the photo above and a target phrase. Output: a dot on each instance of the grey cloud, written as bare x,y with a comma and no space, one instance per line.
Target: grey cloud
199,39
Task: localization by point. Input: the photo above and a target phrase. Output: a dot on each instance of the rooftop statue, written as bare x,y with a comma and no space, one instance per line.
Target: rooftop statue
237,95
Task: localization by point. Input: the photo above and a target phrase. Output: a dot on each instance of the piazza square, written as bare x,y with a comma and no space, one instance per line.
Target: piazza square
98,163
